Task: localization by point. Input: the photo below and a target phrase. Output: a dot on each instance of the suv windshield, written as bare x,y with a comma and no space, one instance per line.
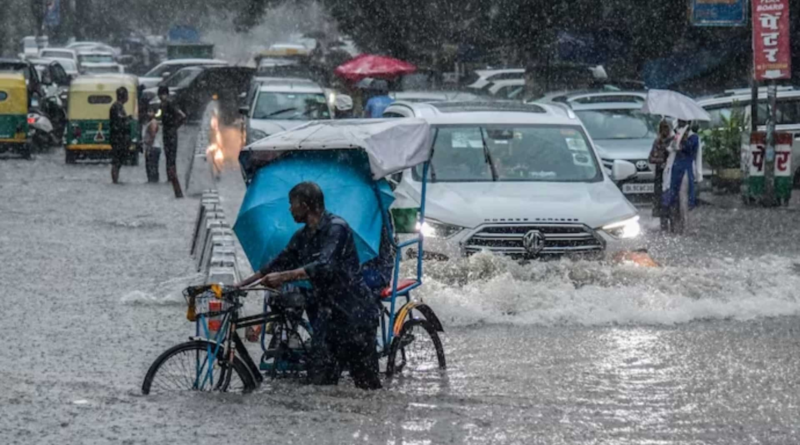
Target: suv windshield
291,106
546,153
617,124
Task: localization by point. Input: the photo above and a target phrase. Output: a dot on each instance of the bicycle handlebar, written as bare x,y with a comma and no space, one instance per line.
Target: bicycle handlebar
226,291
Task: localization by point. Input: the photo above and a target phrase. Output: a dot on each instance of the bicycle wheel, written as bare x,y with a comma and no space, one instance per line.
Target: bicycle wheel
417,351
184,367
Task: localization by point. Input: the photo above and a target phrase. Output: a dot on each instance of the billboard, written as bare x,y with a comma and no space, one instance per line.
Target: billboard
719,12
52,14
772,57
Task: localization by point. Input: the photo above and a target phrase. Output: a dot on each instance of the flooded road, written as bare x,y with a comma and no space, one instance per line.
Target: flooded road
701,351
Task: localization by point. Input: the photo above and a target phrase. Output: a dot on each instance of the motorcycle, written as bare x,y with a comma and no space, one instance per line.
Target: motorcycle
41,132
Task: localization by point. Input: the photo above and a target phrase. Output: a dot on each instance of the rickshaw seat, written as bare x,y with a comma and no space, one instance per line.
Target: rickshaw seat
402,285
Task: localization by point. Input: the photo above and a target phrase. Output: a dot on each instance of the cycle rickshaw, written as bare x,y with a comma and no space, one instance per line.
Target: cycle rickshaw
363,153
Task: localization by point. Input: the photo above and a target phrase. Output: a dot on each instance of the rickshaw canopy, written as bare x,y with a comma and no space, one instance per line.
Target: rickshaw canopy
392,145
13,94
91,97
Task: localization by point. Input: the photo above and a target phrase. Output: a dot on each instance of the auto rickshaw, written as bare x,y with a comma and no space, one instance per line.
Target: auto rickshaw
14,114
88,133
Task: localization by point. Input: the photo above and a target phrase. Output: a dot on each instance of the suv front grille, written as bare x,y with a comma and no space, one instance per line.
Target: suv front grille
559,239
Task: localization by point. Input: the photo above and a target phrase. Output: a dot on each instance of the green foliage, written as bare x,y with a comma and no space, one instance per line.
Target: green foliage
722,145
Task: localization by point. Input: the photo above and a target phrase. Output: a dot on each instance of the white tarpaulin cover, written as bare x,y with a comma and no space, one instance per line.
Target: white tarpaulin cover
391,144
672,104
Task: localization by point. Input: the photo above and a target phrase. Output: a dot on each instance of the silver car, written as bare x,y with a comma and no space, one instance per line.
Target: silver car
621,131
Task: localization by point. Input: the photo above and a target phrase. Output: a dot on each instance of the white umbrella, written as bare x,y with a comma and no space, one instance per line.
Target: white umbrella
673,104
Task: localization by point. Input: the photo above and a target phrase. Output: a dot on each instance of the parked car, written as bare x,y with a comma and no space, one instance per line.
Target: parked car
787,114
59,53
102,68
94,46
508,89
70,66
515,179
94,56
481,78
195,86
274,105
433,96
166,69
620,131
29,47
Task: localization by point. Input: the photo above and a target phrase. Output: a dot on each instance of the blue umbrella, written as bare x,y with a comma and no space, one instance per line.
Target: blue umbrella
265,225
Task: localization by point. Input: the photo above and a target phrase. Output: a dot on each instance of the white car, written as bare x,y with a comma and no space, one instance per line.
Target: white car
788,114
59,53
102,68
620,130
165,69
486,77
433,96
515,179
275,105
70,66
94,46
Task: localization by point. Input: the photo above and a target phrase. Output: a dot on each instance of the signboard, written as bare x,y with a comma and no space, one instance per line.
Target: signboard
772,57
783,154
719,12
52,15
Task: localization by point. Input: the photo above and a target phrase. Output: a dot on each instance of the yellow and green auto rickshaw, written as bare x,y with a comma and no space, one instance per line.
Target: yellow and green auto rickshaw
14,114
88,127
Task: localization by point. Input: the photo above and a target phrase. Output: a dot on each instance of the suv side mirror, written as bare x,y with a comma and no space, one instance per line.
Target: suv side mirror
244,110
165,74
622,170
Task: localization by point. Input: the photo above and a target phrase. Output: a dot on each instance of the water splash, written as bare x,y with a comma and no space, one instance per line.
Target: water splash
490,289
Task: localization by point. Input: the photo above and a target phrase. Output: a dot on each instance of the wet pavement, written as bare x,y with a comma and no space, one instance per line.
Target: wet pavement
700,351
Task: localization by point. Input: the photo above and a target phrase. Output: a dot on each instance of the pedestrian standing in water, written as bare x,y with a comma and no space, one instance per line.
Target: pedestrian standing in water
119,133
680,195
378,103
171,119
658,158
152,151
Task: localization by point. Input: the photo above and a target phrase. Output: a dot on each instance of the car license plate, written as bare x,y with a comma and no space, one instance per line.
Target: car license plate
630,189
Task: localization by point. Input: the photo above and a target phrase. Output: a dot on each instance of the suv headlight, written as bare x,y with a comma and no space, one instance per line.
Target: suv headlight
255,135
628,228
435,229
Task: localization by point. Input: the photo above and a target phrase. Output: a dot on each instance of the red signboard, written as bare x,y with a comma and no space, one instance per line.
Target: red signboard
772,57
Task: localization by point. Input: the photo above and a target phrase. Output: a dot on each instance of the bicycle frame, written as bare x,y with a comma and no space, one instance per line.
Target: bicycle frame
387,333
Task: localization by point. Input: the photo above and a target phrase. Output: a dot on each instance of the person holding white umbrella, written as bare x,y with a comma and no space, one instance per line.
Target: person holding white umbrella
684,163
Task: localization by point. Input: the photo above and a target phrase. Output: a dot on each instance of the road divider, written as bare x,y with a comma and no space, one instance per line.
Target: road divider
213,244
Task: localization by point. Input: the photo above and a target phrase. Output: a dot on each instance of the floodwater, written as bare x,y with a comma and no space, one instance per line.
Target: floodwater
700,351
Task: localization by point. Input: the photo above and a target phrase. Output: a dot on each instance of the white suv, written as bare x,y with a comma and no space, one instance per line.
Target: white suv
275,105
515,179
788,114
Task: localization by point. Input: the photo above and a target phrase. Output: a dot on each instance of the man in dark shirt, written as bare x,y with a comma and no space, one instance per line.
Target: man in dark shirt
171,119
119,133
324,252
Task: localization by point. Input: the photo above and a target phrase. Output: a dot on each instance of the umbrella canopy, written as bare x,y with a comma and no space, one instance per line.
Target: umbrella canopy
392,145
367,65
264,225
674,104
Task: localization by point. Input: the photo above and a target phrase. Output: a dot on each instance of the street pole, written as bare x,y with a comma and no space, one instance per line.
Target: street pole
769,156
754,106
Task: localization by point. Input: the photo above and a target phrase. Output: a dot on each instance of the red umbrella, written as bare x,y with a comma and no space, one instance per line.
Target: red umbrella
379,67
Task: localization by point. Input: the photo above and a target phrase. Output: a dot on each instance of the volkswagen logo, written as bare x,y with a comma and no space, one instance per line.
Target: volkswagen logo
642,166
533,242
